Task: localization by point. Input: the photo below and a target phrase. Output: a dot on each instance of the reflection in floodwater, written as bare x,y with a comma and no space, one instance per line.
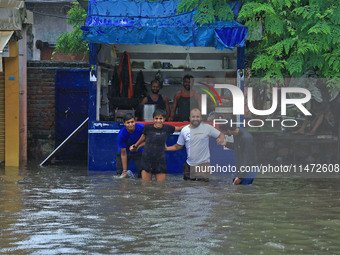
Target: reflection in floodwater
10,205
66,210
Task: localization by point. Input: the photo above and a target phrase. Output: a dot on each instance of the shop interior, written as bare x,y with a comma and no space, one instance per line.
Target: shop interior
167,64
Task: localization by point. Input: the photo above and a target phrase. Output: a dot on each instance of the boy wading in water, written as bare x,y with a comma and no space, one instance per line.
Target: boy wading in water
153,156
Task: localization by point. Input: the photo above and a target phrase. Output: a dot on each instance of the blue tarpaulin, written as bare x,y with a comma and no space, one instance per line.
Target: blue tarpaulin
143,22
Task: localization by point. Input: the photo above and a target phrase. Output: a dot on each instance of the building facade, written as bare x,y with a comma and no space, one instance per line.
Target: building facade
14,21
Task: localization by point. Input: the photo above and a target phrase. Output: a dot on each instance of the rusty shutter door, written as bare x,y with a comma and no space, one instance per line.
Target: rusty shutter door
2,117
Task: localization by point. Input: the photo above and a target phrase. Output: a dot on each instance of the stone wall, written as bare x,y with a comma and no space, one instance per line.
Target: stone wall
41,105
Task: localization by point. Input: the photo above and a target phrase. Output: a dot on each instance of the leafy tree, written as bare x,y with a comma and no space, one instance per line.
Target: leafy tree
297,35
71,42
207,10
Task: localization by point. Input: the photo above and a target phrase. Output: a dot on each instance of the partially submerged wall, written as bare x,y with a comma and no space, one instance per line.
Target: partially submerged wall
41,105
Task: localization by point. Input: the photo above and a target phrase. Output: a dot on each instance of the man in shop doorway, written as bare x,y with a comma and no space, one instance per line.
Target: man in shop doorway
160,101
128,136
185,100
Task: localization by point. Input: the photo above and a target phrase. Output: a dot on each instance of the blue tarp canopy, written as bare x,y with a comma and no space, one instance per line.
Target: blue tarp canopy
143,22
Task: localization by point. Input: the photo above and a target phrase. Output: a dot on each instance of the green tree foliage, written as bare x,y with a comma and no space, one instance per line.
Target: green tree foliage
298,35
207,10
71,42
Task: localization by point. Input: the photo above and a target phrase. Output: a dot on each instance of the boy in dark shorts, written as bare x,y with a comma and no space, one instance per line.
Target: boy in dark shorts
128,135
153,156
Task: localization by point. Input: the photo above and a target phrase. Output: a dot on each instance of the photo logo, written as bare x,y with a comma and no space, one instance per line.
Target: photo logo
204,97
238,99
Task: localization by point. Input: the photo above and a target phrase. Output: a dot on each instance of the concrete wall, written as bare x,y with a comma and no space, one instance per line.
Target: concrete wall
41,105
49,22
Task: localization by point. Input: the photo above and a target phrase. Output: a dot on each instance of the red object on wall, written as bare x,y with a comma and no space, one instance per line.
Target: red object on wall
123,68
176,124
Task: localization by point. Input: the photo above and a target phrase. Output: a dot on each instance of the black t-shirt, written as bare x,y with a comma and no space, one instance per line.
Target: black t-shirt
155,139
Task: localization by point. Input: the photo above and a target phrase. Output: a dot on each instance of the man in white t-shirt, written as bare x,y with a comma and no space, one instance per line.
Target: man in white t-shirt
195,137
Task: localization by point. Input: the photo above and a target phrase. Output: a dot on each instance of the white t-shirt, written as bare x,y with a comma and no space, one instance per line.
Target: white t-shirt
196,141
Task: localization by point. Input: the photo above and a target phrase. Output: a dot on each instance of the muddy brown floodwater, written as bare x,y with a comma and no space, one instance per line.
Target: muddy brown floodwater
68,210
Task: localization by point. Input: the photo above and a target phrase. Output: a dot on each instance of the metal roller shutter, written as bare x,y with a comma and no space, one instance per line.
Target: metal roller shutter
2,117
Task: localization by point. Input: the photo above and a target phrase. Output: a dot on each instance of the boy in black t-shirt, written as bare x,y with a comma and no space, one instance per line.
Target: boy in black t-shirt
153,156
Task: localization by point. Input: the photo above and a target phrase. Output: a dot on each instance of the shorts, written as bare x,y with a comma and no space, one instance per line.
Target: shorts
154,167
200,172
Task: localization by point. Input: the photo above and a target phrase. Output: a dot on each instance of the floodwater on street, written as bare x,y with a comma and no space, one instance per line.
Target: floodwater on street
68,210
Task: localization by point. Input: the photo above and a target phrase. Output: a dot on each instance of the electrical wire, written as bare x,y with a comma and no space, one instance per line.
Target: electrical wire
57,16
